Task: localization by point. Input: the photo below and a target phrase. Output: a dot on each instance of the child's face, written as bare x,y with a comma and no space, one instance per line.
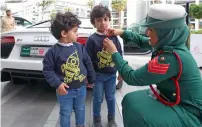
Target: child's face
102,23
70,36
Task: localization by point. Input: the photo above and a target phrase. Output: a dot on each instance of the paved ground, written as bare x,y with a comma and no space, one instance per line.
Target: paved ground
36,106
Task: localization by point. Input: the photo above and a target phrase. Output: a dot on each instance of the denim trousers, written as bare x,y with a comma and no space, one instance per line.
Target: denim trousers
105,83
74,99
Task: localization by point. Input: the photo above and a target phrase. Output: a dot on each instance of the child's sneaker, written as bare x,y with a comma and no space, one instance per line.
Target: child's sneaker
97,122
111,121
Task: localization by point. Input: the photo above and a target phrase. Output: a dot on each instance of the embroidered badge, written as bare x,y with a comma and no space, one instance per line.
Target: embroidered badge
158,68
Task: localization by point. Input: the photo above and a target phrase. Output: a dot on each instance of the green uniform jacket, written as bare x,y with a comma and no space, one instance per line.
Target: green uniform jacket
141,110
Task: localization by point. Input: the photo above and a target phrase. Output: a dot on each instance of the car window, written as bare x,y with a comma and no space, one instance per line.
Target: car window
22,22
19,21
27,23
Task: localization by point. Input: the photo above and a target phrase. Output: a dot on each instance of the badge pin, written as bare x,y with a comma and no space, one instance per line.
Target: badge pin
162,59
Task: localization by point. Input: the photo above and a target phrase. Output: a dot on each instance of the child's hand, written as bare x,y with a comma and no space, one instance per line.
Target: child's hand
90,85
119,78
61,90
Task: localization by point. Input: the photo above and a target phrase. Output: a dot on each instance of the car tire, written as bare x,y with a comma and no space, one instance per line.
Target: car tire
119,85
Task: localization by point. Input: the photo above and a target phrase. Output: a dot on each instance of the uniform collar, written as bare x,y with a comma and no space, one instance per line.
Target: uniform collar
65,44
99,33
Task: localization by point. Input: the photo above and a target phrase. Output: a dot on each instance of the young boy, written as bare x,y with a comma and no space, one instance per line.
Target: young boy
66,66
104,67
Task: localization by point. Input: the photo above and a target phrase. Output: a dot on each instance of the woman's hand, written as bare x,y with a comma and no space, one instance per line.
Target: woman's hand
109,46
114,32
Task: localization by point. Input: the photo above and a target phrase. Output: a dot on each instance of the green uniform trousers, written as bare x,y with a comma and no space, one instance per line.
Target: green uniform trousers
141,110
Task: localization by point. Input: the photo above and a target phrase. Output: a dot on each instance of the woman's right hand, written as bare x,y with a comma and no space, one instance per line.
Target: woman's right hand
114,32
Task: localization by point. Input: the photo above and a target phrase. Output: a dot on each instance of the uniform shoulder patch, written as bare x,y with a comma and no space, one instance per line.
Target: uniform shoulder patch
154,66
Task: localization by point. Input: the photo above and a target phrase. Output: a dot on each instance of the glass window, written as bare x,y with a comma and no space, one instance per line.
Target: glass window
125,21
27,23
125,14
115,22
200,24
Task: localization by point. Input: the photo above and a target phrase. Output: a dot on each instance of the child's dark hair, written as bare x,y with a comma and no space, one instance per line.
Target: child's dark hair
98,12
65,22
8,10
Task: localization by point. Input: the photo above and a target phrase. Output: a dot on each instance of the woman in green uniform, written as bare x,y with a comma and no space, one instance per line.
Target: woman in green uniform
177,101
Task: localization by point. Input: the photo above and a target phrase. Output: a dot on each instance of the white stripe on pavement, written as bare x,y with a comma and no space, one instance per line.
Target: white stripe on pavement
10,95
119,98
53,117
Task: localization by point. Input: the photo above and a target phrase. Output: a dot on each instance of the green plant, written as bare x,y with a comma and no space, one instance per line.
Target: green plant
45,4
196,11
3,8
119,5
53,14
90,4
196,31
68,9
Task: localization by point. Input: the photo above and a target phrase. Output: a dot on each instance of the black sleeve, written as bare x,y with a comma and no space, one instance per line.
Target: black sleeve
89,47
48,69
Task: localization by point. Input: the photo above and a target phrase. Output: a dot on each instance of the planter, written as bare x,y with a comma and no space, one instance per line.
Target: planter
196,48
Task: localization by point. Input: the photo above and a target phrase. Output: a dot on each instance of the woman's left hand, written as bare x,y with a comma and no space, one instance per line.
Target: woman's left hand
109,46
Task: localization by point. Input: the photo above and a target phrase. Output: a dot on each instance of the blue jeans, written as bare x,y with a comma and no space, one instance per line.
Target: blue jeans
105,83
74,99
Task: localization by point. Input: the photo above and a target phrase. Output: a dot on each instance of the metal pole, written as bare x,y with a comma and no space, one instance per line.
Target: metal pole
187,10
187,22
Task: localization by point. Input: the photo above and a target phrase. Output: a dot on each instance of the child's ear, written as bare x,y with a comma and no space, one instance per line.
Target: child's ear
63,33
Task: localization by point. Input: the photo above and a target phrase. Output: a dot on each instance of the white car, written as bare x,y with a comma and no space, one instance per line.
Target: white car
22,51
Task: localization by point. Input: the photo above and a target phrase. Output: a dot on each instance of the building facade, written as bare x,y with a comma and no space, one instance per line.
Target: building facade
33,12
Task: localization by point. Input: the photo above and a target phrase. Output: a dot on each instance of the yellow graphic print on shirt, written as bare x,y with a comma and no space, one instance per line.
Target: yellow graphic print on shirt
71,69
105,59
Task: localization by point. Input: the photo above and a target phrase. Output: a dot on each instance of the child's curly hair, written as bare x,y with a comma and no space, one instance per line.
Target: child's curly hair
98,12
64,22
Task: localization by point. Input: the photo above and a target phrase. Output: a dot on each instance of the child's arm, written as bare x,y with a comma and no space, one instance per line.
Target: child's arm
89,47
48,70
89,66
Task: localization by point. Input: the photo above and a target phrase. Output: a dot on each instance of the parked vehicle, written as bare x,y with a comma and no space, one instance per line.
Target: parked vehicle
133,49
22,51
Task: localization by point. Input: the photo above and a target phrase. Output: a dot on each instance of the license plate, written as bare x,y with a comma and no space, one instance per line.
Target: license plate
28,51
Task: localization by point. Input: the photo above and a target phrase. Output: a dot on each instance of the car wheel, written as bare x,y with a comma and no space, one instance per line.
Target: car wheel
119,85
